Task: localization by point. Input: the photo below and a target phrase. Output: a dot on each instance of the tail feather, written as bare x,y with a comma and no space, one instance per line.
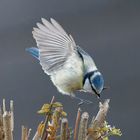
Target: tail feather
33,51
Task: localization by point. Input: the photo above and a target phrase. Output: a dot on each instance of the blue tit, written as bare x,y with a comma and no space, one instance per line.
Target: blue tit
68,65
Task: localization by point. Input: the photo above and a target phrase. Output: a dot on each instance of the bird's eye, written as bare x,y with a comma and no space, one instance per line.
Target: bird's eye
98,82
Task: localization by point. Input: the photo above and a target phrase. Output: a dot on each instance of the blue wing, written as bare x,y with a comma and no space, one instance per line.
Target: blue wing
34,52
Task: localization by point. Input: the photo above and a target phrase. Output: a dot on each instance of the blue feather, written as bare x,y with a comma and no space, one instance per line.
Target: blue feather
33,51
98,82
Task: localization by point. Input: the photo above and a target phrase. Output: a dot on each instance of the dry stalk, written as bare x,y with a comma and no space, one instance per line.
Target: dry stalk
7,126
25,133
36,136
47,119
12,115
64,127
98,128
100,118
83,126
7,122
56,119
4,106
1,126
98,121
77,123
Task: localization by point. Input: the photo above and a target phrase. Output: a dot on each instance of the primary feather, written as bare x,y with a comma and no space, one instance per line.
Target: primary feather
55,46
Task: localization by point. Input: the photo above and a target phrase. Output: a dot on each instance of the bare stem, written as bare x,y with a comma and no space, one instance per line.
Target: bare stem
4,106
36,136
12,115
7,126
98,121
64,127
44,135
1,126
24,133
100,118
77,123
83,126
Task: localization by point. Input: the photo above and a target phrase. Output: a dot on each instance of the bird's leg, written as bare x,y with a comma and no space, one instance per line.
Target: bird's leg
81,100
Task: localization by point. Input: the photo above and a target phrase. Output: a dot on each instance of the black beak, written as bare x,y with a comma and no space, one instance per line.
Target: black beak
104,88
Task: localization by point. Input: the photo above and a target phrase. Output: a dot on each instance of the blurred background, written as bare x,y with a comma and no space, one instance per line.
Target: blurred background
109,30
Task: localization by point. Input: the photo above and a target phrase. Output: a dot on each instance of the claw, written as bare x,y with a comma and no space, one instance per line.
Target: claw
82,100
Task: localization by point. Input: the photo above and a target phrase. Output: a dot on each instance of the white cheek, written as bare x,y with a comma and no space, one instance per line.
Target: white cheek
87,86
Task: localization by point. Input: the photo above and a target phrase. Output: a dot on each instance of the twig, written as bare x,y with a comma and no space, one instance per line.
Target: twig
36,136
100,118
92,122
29,133
77,123
12,115
56,117
24,133
7,126
4,106
1,126
48,115
56,120
64,126
98,121
83,126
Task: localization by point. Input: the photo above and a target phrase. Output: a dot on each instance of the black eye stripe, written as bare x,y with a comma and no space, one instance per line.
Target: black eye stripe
88,75
93,88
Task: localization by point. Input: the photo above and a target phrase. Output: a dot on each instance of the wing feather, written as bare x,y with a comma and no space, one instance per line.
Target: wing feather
55,45
59,27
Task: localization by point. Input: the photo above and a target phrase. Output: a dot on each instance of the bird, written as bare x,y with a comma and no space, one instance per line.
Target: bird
70,68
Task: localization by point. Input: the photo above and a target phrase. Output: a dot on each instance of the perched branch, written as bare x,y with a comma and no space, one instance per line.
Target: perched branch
83,126
98,122
100,118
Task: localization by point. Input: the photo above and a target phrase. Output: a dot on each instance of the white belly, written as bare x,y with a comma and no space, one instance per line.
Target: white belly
70,77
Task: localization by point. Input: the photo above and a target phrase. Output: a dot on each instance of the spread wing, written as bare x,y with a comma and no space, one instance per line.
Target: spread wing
55,45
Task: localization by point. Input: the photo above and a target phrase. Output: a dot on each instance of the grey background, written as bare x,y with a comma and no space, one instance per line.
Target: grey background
108,29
